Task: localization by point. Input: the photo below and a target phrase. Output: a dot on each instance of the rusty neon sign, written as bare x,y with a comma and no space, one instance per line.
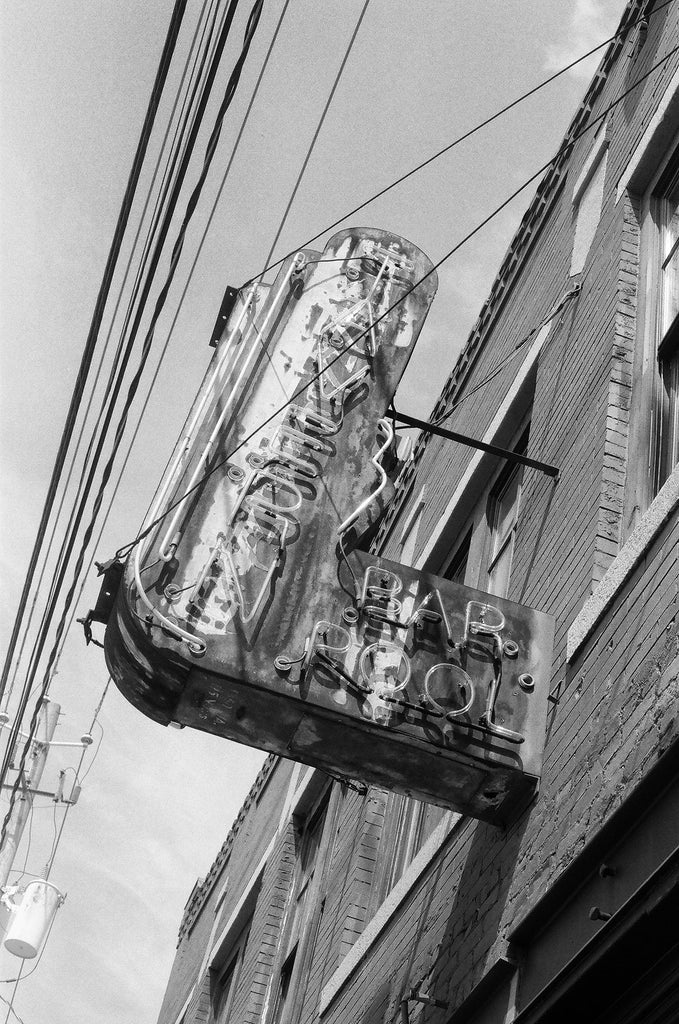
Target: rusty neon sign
249,611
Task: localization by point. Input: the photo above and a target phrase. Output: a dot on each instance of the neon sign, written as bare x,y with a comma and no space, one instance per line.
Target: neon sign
249,611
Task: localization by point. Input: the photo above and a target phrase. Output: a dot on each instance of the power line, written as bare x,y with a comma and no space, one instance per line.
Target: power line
69,539
57,517
563,151
181,299
176,252
166,58
115,373
78,780
76,398
179,306
88,354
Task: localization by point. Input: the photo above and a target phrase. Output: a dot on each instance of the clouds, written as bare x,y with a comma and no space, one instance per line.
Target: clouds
591,22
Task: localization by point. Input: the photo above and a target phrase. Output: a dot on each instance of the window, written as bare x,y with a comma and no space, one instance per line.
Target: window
654,424
284,987
456,569
409,534
408,825
503,515
301,908
223,992
664,211
224,979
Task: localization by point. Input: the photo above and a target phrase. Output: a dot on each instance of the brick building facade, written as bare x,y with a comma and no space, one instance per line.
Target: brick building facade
347,904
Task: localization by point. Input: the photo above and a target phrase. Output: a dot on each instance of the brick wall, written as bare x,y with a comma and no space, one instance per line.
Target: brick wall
615,715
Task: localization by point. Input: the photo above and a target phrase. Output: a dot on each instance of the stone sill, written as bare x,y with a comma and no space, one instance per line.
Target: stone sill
621,568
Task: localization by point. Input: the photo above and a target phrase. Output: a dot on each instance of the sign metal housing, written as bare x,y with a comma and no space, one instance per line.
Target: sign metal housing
248,611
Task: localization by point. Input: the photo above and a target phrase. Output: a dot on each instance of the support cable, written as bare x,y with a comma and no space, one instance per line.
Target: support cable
462,138
312,144
563,151
553,313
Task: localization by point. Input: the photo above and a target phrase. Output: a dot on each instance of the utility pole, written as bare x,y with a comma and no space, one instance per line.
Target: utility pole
47,723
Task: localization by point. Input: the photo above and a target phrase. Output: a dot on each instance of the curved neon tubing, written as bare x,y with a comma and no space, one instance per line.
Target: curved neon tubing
384,425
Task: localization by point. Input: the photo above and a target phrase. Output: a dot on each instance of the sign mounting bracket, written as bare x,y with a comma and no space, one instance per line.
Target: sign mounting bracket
502,453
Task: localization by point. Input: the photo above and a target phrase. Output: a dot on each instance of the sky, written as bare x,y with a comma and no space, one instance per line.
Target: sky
75,78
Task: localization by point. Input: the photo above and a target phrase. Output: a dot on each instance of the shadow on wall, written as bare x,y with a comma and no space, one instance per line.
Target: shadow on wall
449,943
476,913
378,1010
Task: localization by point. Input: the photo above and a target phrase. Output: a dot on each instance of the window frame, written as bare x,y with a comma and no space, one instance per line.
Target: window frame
501,543
650,466
665,329
408,825
229,969
314,823
457,565
477,540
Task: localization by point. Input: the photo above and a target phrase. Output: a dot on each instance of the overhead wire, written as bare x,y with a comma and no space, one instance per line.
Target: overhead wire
123,551
179,304
177,311
69,538
193,268
623,29
168,52
553,313
198,103
317,132
251,26
88,352
177,145
288,207
73,462
570,143
216,56
497,114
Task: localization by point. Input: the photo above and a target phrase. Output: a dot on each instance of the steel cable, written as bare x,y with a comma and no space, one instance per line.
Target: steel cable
622,30
562,152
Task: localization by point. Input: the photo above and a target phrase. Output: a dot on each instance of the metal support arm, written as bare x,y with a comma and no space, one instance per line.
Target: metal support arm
503,453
